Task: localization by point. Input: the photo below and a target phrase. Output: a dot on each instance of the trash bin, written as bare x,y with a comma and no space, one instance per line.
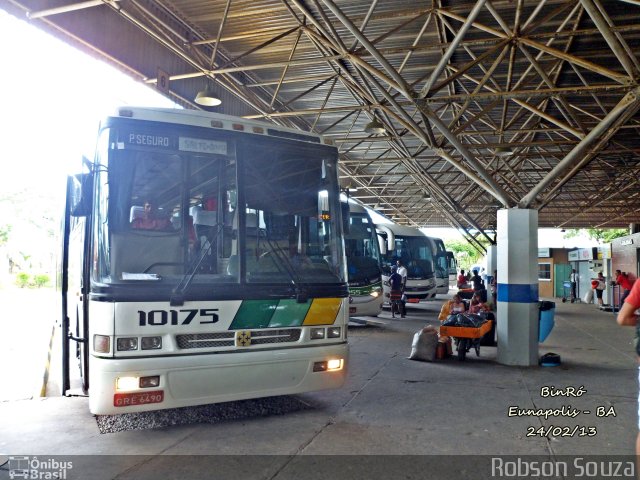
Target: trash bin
545,319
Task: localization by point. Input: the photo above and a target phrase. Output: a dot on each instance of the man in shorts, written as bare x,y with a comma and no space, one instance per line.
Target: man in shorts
628,316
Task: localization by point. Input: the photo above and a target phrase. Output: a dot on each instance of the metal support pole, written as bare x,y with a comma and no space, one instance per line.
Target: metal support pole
628,101
496,191
66,8
609,37
452,48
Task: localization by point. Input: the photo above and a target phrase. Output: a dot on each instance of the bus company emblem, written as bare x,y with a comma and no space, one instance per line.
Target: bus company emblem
243,338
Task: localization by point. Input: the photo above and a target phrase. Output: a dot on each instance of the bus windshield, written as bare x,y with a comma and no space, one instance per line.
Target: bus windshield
415,254
361,245
259,210
441,262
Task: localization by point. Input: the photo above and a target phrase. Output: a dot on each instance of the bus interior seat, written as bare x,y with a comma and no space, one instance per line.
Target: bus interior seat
234,265
203,217
137,251
136,213
204,221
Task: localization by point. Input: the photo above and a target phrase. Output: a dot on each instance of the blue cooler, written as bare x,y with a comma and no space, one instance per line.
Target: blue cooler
545,319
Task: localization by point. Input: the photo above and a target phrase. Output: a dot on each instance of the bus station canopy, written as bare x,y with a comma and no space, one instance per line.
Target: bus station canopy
442,111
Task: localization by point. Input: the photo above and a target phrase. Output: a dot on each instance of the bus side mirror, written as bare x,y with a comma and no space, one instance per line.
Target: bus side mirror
346,217
81,193
382,243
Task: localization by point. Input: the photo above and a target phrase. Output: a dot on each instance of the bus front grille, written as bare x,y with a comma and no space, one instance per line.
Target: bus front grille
227,339
206,340
262,337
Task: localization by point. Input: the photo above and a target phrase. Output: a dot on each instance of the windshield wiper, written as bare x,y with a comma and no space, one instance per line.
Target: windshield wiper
177,295
284,262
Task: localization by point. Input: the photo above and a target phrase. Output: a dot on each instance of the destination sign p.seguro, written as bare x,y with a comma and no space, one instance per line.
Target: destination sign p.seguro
184,144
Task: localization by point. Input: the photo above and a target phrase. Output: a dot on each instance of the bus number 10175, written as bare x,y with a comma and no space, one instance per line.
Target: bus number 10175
177,317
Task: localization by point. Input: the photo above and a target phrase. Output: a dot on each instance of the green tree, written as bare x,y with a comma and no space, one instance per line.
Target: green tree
41,280
22,279
4,234
465,254
601,235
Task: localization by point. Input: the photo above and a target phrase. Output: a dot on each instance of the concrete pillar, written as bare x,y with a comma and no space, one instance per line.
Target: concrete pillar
518,287
492,259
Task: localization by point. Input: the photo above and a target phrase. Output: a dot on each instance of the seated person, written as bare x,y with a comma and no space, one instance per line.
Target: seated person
150,220
462,280
476,305
451,307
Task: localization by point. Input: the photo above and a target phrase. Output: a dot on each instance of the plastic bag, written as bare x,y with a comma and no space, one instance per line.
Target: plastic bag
588,297
464,320
424,345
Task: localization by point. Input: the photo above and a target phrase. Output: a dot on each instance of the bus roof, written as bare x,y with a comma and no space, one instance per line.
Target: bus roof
403,231
200,118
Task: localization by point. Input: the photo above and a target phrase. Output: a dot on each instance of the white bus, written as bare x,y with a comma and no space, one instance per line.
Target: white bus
452,266
202,262
441,265
363,263
414,250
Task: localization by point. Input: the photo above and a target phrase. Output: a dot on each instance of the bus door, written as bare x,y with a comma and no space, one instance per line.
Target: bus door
72,279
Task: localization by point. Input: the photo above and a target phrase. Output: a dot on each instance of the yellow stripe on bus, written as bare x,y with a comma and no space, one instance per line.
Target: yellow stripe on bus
323,311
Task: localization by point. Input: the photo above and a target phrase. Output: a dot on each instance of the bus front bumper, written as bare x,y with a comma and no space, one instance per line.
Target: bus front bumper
187,380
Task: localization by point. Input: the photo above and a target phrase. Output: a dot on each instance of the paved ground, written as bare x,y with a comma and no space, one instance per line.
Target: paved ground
447,412
27,325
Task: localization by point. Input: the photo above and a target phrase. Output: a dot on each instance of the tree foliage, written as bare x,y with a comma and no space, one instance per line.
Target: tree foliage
465,254
601,235
4,234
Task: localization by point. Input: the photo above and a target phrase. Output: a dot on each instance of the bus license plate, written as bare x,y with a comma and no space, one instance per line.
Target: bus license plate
137,398
352,309
413,300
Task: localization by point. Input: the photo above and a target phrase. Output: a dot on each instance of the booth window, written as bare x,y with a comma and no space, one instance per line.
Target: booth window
544,272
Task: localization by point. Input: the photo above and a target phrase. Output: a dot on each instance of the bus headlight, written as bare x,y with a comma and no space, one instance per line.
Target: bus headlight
334,364
317,333
333,332
127,383
375,293
151,343
127,344
328,365
150,382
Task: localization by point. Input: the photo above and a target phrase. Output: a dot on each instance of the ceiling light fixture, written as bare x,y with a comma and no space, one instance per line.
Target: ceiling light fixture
502,152
207,97
374,127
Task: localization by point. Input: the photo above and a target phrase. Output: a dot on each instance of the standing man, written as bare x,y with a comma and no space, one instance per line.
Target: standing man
625,285
402,271
602,284
478,286
395,296
628,315
573,278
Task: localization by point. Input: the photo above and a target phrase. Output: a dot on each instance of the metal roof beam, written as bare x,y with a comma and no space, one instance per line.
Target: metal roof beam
629,105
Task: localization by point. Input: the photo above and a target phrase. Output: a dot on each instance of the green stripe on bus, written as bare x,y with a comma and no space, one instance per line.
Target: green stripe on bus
290,313
254,314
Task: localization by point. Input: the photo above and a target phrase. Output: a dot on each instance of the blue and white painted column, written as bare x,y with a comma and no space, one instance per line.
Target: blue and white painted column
518,287
492,262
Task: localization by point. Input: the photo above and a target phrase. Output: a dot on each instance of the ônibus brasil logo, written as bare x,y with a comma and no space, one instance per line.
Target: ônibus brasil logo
38,469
